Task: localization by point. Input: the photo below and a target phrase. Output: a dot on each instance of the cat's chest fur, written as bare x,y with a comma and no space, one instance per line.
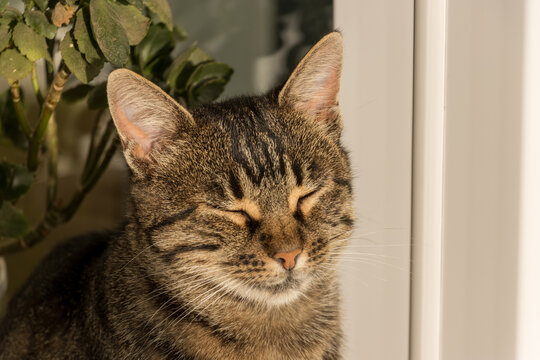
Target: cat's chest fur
264,338
228,327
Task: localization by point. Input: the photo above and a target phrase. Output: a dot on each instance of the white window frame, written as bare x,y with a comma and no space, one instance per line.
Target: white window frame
475,283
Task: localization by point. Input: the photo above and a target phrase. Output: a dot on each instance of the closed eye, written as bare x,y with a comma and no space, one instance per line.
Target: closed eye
306,196
305,203
243,213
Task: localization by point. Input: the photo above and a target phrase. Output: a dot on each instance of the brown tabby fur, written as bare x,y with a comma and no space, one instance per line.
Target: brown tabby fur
215,193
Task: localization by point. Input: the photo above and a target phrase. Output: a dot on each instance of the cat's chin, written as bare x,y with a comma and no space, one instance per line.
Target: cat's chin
286,292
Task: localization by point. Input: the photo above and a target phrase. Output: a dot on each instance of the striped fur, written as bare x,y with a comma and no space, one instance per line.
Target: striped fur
215,192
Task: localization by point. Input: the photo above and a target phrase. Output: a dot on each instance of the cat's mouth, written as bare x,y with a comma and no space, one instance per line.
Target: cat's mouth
284,291
288,284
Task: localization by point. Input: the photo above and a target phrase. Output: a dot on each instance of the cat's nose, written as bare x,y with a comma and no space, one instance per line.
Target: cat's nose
287,259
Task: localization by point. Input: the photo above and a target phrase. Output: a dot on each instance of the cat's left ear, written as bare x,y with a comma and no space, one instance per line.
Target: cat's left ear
144,114
313,87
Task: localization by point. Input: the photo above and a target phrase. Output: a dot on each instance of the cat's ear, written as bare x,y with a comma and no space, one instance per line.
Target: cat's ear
143,114
313,87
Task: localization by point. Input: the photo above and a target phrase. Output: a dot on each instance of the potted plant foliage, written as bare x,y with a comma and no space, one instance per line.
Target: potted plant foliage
59,39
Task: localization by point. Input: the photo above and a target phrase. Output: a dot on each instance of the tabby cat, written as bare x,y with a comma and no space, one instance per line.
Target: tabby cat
236,214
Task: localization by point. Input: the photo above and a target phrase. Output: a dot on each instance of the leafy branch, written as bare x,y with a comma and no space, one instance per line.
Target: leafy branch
137,34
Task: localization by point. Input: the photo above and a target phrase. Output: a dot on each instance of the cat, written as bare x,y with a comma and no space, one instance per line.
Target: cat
236,215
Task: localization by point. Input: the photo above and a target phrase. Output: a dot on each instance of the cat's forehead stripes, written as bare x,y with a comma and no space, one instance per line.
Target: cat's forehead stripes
298,173
254,142
234,185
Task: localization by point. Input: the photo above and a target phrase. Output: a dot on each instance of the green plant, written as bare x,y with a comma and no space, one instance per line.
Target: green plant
137,34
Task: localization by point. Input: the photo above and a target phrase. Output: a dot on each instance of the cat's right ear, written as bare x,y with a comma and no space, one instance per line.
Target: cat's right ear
143,114
313,87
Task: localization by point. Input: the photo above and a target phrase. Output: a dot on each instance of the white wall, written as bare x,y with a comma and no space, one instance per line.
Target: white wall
476,177
488,291
376,100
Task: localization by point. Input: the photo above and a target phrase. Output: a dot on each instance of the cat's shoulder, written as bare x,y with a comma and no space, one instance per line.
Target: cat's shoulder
65,264
59,279
41,317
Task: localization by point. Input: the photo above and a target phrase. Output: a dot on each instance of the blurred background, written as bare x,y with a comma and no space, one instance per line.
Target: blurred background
441,104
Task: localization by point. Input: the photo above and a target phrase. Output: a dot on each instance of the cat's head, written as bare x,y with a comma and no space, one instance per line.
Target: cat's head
252,194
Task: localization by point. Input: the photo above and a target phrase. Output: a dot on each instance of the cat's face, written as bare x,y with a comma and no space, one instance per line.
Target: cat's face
251,195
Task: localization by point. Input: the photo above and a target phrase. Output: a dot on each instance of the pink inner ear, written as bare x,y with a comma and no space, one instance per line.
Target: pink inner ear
323,99
131,132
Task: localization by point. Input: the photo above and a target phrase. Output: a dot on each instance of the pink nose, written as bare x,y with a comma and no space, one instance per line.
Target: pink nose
287,259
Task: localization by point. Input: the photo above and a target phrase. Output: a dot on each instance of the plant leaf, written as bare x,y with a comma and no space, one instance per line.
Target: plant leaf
158,67
62,13
5,36
198,56
206,91
38,21
162,9
42,4
97,98
157,40
137,3
108,32
209,70
14,66
12,221
178,65
82,33
134,23
75,61
30,43
195,58
15,180
207,81
9,16
179,33
3,4
76,93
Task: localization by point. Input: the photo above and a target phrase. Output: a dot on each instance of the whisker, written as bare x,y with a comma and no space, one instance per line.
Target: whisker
140,252
181,285
374,262
351,254
377,245
216,285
